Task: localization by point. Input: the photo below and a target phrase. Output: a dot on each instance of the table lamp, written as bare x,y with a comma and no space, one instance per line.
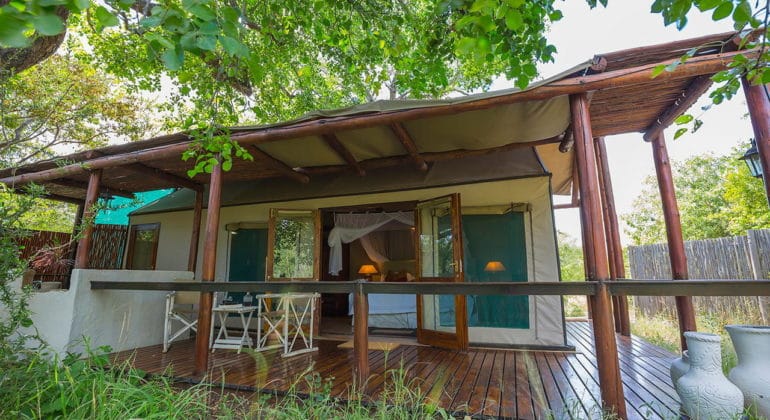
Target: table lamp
367,270
494,267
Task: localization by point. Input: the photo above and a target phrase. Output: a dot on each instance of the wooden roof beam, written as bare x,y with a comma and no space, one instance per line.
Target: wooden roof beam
694,91
277,164
143,168
334,142
409,145
696,66
177,181
385,162
65,182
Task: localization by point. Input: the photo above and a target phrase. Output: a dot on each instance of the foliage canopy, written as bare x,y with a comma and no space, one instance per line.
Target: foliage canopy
717,198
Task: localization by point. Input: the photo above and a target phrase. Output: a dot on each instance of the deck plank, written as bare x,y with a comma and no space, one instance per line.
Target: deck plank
486,382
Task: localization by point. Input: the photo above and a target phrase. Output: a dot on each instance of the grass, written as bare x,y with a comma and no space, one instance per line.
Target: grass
41,387
663,330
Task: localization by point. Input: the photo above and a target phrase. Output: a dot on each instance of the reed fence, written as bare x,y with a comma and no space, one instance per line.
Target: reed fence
107,250
738,257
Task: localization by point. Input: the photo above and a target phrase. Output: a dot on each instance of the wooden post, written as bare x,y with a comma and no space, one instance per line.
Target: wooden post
208,270
676,253
610,383
612,232
87,221
588,253
588,243
192,258
361,334
759,112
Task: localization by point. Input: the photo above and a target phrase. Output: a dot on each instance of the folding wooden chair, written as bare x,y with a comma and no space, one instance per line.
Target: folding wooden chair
181,307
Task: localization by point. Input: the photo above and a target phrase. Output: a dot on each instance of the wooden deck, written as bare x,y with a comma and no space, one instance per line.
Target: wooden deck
480,382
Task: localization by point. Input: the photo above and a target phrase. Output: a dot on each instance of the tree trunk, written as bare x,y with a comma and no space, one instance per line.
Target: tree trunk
14,60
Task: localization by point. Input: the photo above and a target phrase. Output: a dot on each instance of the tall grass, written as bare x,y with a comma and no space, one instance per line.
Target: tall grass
663,330
43,387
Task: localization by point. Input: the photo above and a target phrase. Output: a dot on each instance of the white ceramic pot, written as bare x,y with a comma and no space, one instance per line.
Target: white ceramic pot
752,374
705,392
679,367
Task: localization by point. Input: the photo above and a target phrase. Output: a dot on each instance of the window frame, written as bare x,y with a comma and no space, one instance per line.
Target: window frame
132,232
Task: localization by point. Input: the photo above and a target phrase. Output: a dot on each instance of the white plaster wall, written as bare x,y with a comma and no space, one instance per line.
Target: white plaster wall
121,319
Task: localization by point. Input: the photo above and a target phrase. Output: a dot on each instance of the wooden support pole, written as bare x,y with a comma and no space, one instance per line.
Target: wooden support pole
759,112
208,270
87,222
587,239
676,252
612,232
192,256
361,334
74,246
610,383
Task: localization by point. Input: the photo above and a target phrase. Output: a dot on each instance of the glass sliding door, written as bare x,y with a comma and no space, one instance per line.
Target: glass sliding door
441,319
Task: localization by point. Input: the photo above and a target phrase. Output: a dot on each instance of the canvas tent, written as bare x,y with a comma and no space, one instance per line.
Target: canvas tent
492,186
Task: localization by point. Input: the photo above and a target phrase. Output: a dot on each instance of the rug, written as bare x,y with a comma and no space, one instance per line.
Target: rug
373,345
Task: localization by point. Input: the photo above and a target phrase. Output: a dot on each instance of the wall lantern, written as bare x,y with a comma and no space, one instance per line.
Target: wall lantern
751,157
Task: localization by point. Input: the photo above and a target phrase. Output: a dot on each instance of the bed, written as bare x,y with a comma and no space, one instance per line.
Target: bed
392,311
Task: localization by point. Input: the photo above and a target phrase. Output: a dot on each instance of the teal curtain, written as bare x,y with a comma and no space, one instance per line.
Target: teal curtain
248,250
496,237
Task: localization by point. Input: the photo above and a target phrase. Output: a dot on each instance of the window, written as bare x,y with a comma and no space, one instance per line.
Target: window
294,245
142,246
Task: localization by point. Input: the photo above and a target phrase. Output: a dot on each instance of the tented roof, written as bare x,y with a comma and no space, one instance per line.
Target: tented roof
470,169
624,98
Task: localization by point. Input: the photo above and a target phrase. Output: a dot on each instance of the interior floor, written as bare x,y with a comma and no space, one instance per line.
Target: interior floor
341,327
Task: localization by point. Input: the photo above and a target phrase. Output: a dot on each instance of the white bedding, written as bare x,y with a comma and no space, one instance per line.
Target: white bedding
390,311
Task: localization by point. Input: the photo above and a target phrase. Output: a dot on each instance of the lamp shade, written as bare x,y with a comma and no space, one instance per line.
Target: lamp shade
751,157
367,269
494,266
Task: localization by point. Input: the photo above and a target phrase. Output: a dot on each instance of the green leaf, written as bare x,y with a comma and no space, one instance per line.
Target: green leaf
657,70
466,45
723,10
105,17
173,58
233,47
82,4
151,21
227,165
683,119
48,24
513,20
679,133
208,43
202,12
209,28
12,31
742,13
704,5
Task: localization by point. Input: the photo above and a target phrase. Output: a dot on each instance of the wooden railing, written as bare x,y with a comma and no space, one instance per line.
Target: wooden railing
361,288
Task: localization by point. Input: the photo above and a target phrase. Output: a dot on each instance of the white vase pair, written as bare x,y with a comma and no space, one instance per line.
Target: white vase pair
706,393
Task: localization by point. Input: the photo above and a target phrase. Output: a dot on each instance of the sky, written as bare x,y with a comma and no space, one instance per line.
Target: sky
583,33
